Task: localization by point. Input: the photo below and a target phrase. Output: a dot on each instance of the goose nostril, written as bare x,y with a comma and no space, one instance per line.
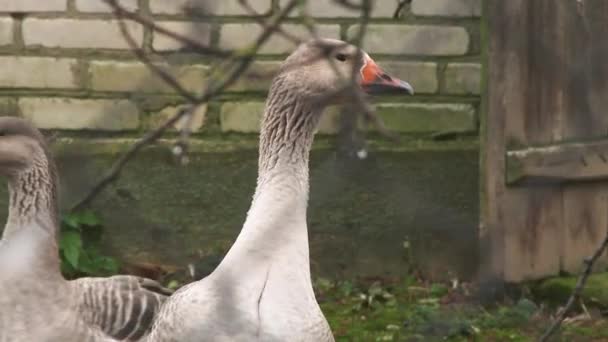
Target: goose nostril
386,77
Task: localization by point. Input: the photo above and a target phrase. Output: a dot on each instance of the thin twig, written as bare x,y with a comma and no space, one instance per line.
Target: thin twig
400,5
193,44
580,285
256,16
350,5
143,57
150,137
115,170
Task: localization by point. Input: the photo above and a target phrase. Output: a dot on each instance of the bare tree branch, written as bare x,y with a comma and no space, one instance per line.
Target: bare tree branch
279,30
242,63
578,289
193,44
115,170
236,62
400,5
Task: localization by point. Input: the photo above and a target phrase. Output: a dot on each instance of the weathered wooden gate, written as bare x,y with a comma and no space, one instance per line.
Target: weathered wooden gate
545,140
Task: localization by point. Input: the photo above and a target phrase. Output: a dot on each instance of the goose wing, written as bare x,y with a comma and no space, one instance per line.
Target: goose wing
123,306
36,303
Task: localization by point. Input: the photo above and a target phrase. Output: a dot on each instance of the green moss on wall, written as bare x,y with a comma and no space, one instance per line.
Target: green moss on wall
360,213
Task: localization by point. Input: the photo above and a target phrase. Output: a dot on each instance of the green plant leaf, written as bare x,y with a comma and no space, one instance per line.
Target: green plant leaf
80,234
89,218
109,265
70,222
71,246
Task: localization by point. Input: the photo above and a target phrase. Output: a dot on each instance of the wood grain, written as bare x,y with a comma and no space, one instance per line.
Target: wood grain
584,117
557,164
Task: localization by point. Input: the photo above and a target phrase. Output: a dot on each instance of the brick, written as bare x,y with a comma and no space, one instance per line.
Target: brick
75,33
137,77
463,78
447,8
242,117
198,119
99,6
6,31
331,9
38,72
245,117
428,117
257,78
77,114
15,6
241,36
421,75
200,32
208,7
414,39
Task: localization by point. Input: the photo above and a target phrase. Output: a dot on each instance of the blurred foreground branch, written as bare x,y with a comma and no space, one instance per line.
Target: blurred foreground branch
576,293
235,63
240,63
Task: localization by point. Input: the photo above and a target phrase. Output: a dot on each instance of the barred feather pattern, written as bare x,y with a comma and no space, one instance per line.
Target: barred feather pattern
36,303
262,290
287,128
124,307
33,192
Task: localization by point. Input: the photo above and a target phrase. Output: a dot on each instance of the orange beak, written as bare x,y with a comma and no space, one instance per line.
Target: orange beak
375,81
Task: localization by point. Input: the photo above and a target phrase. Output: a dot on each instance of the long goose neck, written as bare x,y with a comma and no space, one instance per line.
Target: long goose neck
275,228
33,194
286,136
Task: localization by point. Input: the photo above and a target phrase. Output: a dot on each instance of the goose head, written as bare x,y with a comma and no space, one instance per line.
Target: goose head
21,145
324,68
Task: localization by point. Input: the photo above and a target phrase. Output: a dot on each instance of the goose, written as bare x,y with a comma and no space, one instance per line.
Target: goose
37,303
262,289
120,306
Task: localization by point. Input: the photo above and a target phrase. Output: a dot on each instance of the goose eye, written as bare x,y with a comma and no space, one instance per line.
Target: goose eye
341,57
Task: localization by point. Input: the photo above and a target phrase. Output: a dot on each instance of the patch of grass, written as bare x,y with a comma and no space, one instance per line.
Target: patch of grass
413,311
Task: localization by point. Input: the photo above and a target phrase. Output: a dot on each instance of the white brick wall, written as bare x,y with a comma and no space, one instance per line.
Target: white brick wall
6,31
77,114
421,75
414,39
331,9
463,78
95,62
38,72
74,33
447,8
99,6
136,77
196,122
199,32
208,7
241,117
12,6
239,36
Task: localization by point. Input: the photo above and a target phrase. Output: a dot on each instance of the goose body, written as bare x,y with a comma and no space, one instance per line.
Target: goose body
262,289
122,307
37,303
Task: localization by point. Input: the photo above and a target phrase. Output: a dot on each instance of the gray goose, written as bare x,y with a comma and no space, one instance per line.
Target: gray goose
36,303
123,307
262,289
